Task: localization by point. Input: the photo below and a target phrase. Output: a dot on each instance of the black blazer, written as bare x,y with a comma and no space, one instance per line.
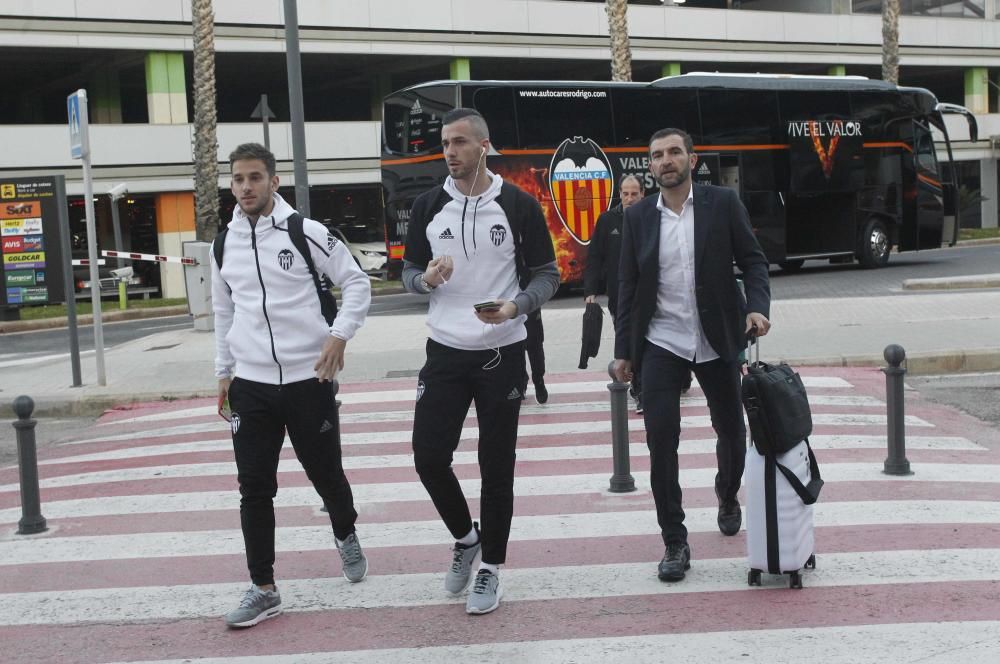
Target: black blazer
722,236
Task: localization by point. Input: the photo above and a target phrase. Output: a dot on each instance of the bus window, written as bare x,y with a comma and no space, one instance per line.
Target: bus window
412,120
547,116
926,157
639,113
739,117
497,107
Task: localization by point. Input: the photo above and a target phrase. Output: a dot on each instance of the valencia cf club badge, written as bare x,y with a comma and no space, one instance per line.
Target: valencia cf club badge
581,185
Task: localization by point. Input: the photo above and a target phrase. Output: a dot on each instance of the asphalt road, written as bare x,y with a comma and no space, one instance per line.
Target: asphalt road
817,279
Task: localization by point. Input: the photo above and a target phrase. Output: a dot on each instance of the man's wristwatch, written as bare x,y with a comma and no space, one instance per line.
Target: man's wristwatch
426,286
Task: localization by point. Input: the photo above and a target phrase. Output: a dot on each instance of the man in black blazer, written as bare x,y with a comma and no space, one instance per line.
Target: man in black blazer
680,309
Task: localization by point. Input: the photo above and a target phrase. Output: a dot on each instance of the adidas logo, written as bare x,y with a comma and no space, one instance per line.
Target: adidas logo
416,108
615,232
326,426
704,169
514,394
446,235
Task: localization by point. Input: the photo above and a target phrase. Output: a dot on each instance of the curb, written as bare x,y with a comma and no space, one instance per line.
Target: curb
953,283
112,316
918,364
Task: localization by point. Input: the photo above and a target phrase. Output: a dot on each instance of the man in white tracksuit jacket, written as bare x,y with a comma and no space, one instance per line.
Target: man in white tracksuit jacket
275,358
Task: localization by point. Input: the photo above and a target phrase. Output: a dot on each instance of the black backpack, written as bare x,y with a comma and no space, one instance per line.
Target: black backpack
327,302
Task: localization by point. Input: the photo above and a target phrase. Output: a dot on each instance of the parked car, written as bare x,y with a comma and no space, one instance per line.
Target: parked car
370,254
109,284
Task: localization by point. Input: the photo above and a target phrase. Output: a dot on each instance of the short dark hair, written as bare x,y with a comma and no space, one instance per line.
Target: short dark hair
254,151
475,118
673,131
631,176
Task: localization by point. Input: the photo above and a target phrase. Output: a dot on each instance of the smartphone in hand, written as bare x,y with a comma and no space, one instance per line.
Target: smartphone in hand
487,306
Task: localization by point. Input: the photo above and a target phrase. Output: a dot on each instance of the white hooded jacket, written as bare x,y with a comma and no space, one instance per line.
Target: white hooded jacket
269,327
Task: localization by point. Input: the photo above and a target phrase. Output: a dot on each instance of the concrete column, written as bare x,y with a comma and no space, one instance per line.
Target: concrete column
460,69
840,7
104,94
166,93
977,90
988,187
174,226
671,69
836,70
381,86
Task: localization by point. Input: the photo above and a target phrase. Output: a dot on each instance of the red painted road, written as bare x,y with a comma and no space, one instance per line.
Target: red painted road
844,594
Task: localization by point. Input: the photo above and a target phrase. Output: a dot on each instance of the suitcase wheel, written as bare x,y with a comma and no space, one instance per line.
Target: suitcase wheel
795,580
753,577
811,563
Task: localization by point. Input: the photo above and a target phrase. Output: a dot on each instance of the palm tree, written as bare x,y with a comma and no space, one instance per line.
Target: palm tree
206,165
890,41
621,52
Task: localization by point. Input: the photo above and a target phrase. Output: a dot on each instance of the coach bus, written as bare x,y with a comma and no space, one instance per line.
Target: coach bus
839,168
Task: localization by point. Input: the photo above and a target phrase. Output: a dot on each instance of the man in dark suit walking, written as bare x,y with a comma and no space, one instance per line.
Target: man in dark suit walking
680,309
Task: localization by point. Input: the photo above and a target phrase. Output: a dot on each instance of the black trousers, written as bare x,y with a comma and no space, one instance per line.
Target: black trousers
449,382
534,344
664,374
261,414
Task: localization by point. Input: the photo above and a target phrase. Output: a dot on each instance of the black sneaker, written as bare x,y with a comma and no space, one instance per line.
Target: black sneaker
676,561
541,393
730,517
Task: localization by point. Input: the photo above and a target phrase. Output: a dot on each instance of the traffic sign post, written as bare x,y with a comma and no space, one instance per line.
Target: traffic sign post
79,148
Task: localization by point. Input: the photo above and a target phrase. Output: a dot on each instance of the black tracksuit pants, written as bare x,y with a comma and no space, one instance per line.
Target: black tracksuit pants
535,345
261,414
449,382
664,374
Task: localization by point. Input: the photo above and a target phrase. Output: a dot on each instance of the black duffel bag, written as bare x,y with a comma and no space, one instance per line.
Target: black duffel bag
777,406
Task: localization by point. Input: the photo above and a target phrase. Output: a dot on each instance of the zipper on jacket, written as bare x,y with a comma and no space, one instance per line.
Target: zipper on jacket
263,304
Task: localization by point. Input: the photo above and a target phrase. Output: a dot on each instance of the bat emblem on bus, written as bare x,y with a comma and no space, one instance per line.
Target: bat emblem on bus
581,185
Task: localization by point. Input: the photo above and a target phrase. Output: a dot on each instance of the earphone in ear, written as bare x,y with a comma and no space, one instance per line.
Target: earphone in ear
483,153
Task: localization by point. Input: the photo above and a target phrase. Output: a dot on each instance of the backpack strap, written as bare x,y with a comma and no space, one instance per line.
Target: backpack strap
508,202
218,248
297,234
810,493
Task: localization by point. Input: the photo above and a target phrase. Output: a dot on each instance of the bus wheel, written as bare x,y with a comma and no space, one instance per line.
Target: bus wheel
874,244
793,265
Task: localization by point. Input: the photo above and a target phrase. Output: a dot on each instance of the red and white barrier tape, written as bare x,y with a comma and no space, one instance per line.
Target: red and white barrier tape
86,261
184,260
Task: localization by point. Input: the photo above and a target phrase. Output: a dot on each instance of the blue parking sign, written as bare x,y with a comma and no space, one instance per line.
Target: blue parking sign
76,111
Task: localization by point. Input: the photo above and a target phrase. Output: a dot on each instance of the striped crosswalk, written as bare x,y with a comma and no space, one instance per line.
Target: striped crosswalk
145,552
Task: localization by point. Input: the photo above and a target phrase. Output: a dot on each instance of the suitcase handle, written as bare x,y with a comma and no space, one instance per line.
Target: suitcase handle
753,340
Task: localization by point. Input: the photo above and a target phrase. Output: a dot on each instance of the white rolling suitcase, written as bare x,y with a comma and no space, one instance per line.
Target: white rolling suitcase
779,520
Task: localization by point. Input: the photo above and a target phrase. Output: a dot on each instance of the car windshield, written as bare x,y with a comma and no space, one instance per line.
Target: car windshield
360,233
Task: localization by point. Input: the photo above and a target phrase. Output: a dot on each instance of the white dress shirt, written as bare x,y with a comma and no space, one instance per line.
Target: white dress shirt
676,325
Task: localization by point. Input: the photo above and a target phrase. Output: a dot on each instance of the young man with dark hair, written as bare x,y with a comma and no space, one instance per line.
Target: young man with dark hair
470,242
680,309
276,355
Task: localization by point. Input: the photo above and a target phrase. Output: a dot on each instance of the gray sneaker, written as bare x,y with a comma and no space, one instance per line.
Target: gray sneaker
485,594
257,605
355,564
463,557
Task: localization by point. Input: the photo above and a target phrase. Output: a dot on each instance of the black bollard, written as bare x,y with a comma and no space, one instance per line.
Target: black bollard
622,480
895,463
32,520
335,387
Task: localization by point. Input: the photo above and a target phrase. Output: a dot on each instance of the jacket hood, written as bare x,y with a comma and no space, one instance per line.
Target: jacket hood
490,194
240,223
